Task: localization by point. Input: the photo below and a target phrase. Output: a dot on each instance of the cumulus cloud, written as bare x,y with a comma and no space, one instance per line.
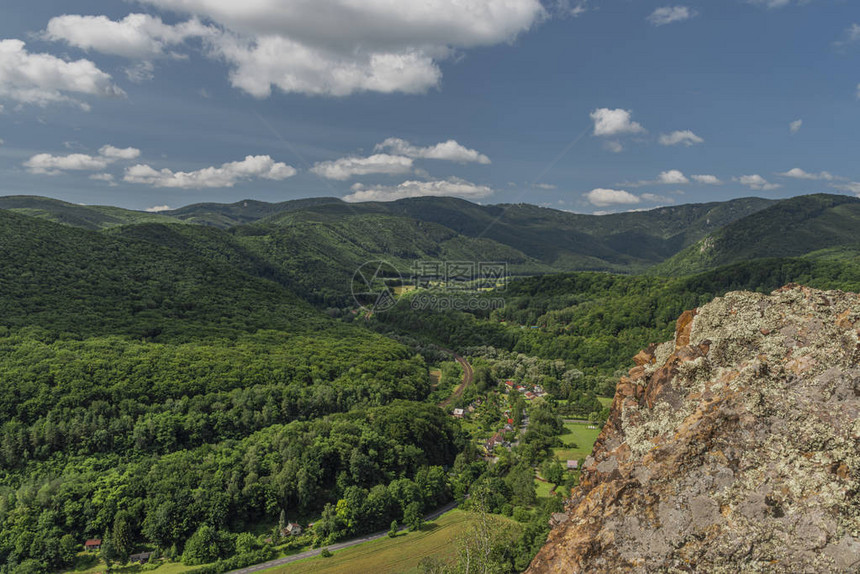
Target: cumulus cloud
449,150
227,175
158,208
140,72
112,152
797,173
795,126
42,79
680,137
340,47
669,14
850,187
547,186
107,177
605,197
707,179
47,164
453,187
772,3
345,168
570,9
615,122
757,182
138,36
672,177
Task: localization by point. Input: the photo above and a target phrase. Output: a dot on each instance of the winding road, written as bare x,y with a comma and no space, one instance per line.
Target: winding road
339,546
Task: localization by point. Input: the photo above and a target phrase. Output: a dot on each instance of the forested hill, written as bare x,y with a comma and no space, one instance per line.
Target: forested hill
308,235
793,227
86,216
67,279
151,386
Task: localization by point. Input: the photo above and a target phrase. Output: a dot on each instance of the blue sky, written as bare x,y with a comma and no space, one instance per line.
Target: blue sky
605,105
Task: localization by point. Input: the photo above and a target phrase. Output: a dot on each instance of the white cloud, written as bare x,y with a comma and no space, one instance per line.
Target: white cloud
453,187
47,164
112,152
707,179
140,72
158,208
605,197
672,177
614,122
547,186
102,177
858,91
449,150
771,3
797,173
757,182
851,187
347,167
136,36
795,126
227,175
2,141
340,47
614,146
669,14
683,137
42,79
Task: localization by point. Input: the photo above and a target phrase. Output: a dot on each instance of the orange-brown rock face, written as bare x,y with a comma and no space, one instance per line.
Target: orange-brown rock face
733,448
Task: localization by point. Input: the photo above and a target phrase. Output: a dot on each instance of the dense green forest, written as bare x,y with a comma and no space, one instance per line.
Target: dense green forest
172,386
597,321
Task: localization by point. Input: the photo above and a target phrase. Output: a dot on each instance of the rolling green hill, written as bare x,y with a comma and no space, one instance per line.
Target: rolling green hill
68,279
790,228
85,216
314,245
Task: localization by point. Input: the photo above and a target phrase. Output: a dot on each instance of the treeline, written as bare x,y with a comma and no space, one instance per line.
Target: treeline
298,467
596,322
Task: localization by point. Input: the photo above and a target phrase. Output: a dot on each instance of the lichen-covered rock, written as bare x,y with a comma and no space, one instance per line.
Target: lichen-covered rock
734,448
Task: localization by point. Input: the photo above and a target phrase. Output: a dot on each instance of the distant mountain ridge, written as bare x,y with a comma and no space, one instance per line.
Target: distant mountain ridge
314,245
795,227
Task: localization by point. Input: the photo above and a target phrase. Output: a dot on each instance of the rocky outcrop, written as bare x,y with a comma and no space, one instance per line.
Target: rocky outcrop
733,448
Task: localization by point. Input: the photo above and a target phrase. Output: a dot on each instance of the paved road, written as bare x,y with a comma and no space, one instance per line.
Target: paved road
468,375
338,546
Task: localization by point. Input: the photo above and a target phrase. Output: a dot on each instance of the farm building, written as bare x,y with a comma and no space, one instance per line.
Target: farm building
93,544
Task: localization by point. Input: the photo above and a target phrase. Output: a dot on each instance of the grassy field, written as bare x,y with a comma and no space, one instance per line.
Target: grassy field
96,566
388,555
578,440
605,401
543,489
